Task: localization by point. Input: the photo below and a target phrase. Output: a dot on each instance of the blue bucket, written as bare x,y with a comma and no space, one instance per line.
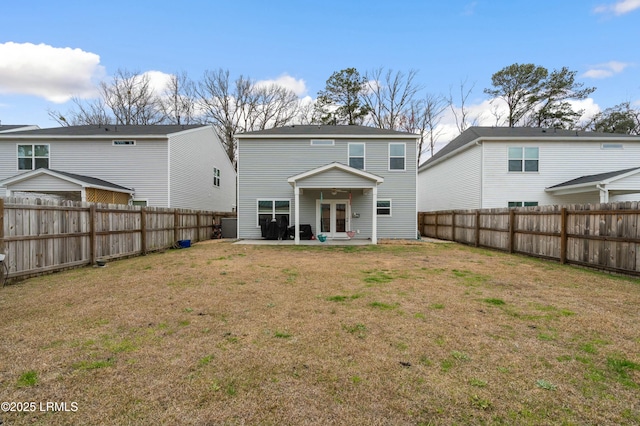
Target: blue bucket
184,243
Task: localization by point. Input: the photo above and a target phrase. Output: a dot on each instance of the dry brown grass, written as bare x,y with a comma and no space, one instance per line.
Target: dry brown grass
389,334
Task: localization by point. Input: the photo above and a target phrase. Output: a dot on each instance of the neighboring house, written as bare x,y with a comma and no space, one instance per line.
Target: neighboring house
6,128
492,167
156,165
342,181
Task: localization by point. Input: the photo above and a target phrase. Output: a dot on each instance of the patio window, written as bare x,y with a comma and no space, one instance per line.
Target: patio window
384,208
31,157
273,209
523,159
356,155
397,153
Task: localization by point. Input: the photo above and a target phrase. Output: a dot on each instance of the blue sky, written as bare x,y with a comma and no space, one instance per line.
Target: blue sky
50,51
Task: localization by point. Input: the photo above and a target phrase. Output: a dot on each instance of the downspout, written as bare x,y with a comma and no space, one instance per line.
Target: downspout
481,145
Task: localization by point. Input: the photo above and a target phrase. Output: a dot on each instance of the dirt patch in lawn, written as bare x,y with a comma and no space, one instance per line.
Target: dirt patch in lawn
389,334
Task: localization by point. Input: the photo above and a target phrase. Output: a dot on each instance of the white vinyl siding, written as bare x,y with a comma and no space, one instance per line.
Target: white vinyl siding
452,184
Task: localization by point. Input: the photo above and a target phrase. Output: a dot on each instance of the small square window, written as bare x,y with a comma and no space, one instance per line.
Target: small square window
31,157
523,159
383,208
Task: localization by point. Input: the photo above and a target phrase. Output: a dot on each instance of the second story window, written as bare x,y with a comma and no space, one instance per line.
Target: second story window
216,177
31,157
397,153
356,155
523,159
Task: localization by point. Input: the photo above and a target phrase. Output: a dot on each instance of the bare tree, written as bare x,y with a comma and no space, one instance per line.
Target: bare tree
389,96
178,102
463,120
423,119
131,99
241,105
86,113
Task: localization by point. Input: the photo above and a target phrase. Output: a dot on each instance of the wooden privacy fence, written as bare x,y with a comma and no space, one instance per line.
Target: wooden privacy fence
40,236
603,236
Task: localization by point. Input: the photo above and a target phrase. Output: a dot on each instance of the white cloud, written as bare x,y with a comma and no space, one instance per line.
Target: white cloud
56,74
606,70
470,8
299,87
619,8
158,80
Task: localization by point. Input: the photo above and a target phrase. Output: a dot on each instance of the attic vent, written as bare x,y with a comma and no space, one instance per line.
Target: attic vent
611,146
120,143
322,142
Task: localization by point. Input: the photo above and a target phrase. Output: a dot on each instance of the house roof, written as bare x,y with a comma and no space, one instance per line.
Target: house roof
475,134
326,131
105,130
335,165
15,127
597,178
85,181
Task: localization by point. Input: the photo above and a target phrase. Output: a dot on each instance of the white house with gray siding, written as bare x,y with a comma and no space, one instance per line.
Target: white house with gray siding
343,181
493,167
175,166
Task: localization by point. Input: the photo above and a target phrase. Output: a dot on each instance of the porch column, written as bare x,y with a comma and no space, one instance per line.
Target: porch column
604,194
374,217
296,229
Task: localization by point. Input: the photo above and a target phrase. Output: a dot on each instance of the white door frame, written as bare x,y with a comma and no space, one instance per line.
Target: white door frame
333,202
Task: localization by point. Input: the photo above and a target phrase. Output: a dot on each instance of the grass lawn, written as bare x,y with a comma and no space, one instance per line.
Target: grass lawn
399,333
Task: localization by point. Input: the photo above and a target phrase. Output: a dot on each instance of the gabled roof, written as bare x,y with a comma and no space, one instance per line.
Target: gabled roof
109,131
477,134
339,166
600,178
81,180
324,131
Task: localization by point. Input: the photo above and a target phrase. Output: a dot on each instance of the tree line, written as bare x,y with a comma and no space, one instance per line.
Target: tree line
522,95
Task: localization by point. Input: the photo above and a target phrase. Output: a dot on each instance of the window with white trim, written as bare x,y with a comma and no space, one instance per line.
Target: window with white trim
216,177
356,155
273,209
140,203
611,146
523,159
31,157
397,156
383,208
123,143
522,203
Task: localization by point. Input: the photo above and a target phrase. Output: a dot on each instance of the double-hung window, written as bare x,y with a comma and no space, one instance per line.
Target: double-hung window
216,177
273,209
522,203
356,155
523,159
397,156
383,207
31,157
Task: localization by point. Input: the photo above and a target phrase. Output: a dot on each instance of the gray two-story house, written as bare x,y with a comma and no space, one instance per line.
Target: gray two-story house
340,181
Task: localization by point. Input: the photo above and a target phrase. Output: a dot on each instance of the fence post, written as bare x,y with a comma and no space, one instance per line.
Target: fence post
92,233
453,226
143,230
198,226
563,235
477,228
436,222
176,222
1,225
512,227
420,223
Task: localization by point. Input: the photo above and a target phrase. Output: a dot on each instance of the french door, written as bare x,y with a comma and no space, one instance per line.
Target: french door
333,218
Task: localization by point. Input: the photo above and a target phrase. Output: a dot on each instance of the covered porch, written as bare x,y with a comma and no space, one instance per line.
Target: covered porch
605,185
340,202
